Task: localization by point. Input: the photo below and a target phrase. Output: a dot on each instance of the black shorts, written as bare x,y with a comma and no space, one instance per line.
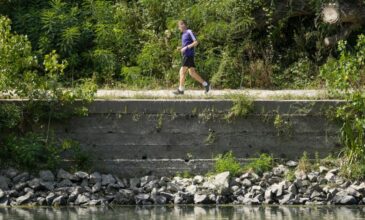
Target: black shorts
188,62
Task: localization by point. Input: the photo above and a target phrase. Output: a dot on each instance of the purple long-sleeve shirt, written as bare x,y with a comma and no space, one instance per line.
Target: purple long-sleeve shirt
188,38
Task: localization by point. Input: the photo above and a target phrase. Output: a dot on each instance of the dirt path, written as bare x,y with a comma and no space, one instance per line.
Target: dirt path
214,94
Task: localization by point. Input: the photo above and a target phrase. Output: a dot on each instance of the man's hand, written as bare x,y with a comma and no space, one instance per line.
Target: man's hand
178,48
183,49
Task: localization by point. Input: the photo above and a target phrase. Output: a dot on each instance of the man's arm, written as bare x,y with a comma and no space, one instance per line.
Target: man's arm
194,44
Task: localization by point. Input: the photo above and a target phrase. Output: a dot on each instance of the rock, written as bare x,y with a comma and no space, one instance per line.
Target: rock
47,185
221,181
279,170
59,201
95,177
146,179
191,189
50,197
22,177
334,171
142,199
160,200
4,183
360,188
41,201
292,163
293,189
173,187
96,187
82,175
34,184
4,201
344,200
245,176
198,179
313,176
75,193
353,192
84,183
330,177
95,202
286,199
315,194
11,173
323,169
21,200
178,199
168,196
46,175
124,197
81,199
200,199
134,182
246,183
107,179
20,186
64,183
12,193
301,175
62,174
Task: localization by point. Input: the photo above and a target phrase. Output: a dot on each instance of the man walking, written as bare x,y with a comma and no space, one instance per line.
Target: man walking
189,42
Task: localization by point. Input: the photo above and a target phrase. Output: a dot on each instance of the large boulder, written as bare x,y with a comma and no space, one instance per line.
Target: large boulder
221,181
62,174
4,183
107,179
95,177
21,200
46,175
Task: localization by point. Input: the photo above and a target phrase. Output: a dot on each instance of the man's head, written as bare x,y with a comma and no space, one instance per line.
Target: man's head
182,25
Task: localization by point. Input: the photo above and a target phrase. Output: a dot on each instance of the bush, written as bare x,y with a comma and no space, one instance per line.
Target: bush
227,162
33,152
10,115
345,77
260,165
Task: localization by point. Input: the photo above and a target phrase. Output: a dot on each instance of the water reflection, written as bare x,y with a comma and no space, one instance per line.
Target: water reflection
185,212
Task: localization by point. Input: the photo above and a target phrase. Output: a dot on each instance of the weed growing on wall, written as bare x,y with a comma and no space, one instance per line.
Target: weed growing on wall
242,106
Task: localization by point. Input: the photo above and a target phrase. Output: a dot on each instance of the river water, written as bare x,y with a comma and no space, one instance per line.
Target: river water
187,212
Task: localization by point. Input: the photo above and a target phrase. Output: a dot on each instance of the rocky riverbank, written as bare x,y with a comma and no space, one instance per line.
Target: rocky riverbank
82,189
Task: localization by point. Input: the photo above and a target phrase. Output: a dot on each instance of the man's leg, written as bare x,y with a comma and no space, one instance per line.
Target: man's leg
193,73
183,71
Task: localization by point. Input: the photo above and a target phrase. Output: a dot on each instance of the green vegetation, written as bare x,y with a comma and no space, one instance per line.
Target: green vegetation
304,163
290,176
346,77
133,43
283,126
242,106
260,165
227,162
211,138
48,100
33,152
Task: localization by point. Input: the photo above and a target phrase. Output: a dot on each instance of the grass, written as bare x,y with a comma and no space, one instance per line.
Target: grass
260,165
304,163
227,162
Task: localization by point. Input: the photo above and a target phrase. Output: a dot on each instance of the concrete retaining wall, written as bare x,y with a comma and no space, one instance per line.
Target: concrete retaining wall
137,137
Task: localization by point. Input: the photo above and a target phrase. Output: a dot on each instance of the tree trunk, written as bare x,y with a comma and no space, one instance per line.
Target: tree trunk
343,13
